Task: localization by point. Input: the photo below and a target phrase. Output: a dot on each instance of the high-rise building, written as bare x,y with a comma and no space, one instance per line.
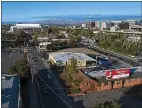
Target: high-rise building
98,24
103,26
111,24
113,28
83,25
92,24
123,25
88,25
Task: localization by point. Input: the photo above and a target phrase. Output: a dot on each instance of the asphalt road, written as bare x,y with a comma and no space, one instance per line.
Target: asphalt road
51,99
8,58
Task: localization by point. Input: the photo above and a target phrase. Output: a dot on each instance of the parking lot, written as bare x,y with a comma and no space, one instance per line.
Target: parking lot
120,95
8,58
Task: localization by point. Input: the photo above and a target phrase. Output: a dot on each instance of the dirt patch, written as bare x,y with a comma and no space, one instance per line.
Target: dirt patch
79,50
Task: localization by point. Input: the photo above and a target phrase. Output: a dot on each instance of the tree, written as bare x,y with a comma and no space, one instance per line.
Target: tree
12,70
60,36
72,40
49,47
35,38
20,38
21,68
108,105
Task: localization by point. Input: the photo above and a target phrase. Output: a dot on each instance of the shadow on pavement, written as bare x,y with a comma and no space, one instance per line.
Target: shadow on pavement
132,97
70,100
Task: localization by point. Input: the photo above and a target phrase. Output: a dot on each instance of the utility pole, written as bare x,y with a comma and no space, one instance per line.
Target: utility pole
10,59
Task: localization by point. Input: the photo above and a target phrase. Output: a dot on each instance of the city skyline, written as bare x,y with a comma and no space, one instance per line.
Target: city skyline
32,11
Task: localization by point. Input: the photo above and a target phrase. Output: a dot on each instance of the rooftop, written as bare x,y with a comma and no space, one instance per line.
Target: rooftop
21,26
136,26
28,25
44,43
9,93
65,56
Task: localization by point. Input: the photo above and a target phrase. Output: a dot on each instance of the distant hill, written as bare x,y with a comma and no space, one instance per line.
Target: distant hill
77,19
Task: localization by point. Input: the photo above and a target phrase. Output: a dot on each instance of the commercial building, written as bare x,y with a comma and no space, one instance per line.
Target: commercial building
88,25
83,25
28,28
43,45
123,25
113,28
10,95
63,58
98,24
136,28
42,39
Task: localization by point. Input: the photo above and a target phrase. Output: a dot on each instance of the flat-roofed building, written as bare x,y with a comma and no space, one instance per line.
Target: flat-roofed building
43,45
137,28
63,58
29,28
123,25
42,39
10,95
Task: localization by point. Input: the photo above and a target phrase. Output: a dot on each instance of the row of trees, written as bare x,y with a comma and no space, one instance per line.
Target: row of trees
18,38
56,45
80,32
118,42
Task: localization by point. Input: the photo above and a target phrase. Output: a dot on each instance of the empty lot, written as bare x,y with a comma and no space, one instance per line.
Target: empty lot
80,50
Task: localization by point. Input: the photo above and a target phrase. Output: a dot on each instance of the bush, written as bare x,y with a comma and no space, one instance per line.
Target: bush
108,104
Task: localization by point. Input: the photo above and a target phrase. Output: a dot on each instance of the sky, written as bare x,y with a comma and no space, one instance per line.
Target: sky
25,11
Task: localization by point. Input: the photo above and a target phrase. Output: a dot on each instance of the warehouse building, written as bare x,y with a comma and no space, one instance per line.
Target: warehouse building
63,58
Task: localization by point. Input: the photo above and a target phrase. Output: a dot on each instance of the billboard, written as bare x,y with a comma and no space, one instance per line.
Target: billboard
116,74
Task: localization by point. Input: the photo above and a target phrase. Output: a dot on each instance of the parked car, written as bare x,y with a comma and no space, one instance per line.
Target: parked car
48,76
44,90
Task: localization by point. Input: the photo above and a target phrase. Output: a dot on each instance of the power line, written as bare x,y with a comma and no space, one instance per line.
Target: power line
54,91
39,92
29,57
